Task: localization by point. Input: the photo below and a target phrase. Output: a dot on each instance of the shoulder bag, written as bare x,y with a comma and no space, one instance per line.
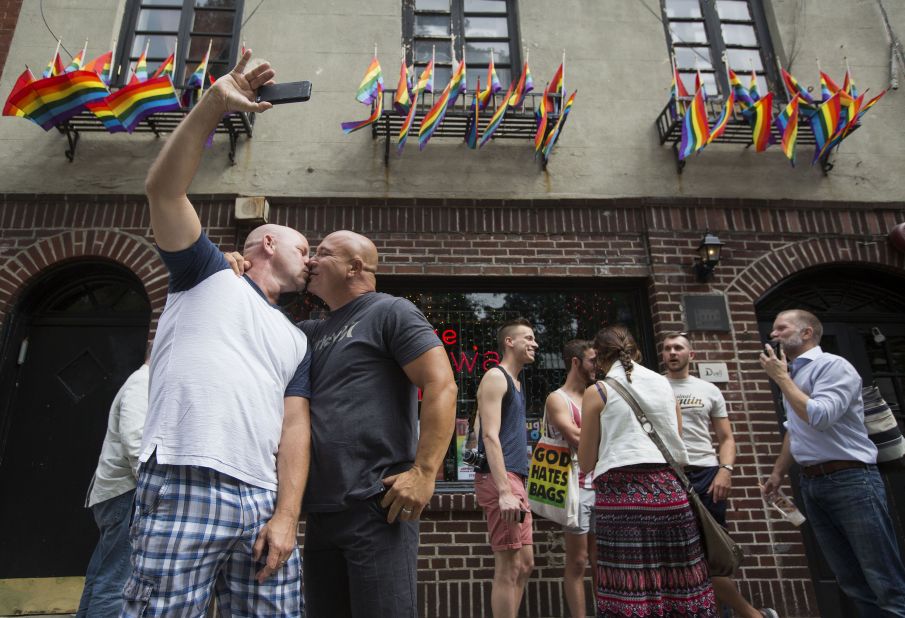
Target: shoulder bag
553,480
722,553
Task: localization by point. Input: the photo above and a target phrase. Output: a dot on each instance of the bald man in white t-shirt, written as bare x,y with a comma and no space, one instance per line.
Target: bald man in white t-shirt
709,470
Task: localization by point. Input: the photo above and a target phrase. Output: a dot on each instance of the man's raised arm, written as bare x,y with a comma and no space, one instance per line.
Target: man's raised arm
173,218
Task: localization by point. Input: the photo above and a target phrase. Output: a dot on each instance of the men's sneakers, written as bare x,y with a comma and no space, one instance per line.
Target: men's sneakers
769,613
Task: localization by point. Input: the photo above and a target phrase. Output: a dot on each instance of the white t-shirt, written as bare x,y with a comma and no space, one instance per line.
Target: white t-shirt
700,401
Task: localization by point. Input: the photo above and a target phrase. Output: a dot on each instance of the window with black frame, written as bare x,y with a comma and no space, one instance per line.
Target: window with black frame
480,27
700,32
188,26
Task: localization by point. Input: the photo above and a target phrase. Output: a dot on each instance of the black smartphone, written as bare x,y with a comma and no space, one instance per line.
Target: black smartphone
521,516
777,346
289,92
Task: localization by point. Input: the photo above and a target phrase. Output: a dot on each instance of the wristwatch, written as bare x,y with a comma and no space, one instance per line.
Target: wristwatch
727,467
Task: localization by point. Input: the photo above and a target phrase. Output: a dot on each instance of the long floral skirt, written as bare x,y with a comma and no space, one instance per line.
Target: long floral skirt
650,561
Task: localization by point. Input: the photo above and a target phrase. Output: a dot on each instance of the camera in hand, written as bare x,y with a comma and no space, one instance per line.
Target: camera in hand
473,458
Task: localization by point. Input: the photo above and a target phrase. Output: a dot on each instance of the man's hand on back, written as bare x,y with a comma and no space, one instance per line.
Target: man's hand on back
408,493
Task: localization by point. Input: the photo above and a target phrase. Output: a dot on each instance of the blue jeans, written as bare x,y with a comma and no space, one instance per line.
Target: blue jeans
847,511
108,568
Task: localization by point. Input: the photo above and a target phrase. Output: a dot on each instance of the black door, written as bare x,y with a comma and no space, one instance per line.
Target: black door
79,335
863,316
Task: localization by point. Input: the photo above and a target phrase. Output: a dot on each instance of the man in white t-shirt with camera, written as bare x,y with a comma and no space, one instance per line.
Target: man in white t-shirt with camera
709,470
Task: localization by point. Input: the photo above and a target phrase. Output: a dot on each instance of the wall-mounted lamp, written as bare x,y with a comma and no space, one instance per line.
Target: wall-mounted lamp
708,256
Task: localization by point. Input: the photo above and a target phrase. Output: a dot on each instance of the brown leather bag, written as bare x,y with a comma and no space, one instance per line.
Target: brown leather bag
722,553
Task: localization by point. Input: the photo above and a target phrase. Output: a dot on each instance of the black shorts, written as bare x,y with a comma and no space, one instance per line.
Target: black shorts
357,565
701,478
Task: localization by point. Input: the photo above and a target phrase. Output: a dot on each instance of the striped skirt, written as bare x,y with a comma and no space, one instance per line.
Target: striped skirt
650,561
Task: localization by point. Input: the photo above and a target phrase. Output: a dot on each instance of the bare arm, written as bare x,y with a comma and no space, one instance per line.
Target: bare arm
780,469
722,483
278,536
589,445
173,218
412,489
490,406
560,416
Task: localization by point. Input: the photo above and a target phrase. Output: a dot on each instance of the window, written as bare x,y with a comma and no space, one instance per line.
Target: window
194,23
699,32
479,27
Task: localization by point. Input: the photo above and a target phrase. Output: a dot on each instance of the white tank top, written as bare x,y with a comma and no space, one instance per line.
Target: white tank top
622,441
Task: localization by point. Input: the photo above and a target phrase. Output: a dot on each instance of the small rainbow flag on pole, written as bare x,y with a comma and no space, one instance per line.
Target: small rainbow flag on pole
55,66
140,73
695,128
827,87
77,60
525,85
406,127
555,87
795,88
25,78
457,83
557,129
402,100
848,84
493,85
824,125
752,87
742,96
426,81
541,132
54,100
720,125
677,94
367,89
101,66
497,118
355,125
434,118
787,123
196,79
167,67
760,117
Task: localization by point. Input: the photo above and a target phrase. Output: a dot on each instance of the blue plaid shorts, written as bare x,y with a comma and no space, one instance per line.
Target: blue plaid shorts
192,535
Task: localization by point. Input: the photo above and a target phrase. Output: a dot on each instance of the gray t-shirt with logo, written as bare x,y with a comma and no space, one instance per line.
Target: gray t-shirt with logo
364,409
700,401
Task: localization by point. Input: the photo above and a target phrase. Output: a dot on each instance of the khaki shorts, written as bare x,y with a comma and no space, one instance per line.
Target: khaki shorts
586,499
503,535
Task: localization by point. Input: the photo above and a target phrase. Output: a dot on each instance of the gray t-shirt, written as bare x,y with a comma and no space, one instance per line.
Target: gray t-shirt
700,401
364,409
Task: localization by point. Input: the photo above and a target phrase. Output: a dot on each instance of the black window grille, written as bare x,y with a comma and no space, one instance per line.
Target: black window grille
195,24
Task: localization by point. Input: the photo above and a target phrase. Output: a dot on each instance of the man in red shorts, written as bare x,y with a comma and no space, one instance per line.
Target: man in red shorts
500,482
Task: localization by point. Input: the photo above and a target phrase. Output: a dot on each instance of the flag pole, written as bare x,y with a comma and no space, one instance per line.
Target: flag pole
207,59
525,70
562,90
56,53
783,80
433,70
675,75
728,80
84,51
112,62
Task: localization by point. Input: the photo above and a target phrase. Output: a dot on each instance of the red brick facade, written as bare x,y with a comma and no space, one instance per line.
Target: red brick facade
9,15
590,240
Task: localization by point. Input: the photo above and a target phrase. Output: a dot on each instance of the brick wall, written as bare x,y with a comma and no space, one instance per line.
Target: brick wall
653,239
9,15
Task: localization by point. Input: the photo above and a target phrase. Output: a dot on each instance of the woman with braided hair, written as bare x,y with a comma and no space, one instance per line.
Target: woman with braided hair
650,561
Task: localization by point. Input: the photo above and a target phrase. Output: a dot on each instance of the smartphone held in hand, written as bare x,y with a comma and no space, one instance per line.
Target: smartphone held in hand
289,92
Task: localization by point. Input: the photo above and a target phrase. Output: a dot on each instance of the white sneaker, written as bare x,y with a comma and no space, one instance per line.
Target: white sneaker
769,613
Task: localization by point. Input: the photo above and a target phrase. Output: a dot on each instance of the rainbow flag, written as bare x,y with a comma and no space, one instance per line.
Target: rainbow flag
426,81
471,131
493,86
870,104
742,96
677,94
25,78
848,118
102,112
196,79
402,100
699,84
54,67
458,83
54,100
140,73
557,128
848,85
355,125
406,127
795,88
367,89
827,87
760,117
434,117
824,125
101,66
167,67
496,119
720,125
555,88
752,87
541,132
524,86
135,102
787,123
695,128
77,60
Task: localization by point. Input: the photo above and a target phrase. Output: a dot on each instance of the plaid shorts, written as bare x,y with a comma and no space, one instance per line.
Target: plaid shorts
192,534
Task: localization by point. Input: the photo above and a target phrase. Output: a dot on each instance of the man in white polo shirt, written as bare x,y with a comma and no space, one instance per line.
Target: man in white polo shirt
225,449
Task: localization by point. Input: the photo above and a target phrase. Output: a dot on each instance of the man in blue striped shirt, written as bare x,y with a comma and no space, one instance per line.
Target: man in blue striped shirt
843,494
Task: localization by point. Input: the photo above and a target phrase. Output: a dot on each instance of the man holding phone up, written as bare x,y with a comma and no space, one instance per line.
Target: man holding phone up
500,482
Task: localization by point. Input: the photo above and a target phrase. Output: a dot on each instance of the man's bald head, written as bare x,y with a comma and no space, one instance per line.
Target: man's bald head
353,245
255,239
